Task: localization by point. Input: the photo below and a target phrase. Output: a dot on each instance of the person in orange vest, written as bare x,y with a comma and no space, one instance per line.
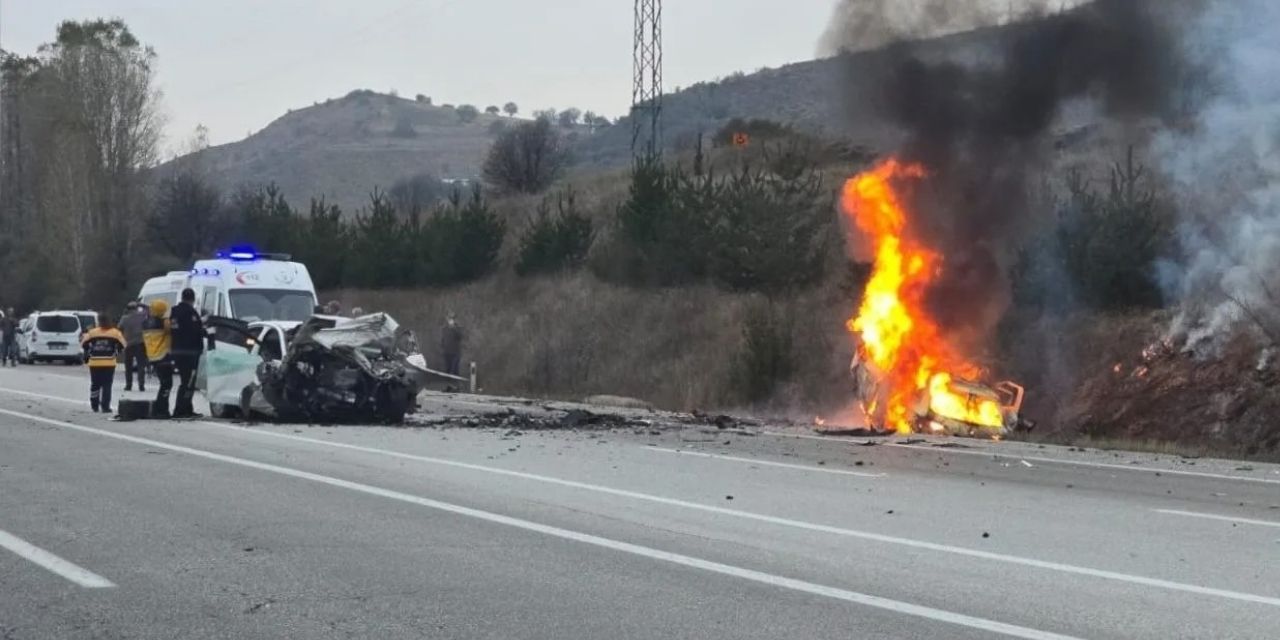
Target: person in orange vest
102,345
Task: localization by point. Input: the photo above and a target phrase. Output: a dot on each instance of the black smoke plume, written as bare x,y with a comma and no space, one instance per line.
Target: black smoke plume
978,111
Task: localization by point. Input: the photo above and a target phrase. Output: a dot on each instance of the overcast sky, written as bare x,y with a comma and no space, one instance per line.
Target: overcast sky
236,65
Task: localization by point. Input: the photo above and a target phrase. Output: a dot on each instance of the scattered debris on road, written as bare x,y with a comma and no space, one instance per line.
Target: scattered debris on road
516,423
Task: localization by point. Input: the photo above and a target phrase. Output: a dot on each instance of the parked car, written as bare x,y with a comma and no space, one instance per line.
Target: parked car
88,319
47,336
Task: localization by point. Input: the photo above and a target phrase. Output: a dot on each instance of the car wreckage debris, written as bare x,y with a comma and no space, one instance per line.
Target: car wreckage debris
518,423
335,370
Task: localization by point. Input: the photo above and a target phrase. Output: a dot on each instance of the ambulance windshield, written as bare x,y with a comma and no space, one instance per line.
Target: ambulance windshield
252,305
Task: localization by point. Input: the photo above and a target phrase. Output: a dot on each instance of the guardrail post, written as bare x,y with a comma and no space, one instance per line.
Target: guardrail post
473,377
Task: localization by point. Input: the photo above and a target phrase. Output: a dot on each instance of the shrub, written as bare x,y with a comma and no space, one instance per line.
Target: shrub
265,218
323,244
555,242
1101,253
380,247
771,228
461,240
766,229
661,229
468,113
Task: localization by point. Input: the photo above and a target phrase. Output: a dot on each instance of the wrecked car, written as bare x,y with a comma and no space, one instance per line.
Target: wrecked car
327,369
946,406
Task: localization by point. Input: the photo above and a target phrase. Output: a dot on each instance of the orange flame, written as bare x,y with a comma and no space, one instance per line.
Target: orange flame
896,332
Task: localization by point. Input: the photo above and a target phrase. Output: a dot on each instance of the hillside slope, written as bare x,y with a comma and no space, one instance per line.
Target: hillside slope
341,149
345,147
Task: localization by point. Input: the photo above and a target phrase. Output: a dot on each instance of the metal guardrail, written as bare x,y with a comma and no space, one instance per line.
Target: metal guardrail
470,381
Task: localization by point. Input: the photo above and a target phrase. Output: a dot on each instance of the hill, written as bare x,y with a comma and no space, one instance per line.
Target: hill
342,148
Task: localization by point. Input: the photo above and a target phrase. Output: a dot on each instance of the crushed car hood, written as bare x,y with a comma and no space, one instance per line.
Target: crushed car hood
334,370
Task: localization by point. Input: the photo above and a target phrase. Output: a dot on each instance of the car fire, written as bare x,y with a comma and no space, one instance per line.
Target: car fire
908,376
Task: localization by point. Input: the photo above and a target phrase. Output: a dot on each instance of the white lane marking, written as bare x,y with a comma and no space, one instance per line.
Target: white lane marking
767,463
786,522
1210,516
1011,455
895,606
52,563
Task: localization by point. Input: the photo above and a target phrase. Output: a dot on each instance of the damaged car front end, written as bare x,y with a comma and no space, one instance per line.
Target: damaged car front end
333,370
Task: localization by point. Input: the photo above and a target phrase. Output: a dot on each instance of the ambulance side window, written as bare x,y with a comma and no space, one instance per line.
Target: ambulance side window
209,301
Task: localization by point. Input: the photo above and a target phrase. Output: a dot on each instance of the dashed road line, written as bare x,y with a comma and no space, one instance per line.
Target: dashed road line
1211,516
27,551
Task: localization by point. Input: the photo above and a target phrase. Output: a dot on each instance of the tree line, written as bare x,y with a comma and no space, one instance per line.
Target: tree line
80,130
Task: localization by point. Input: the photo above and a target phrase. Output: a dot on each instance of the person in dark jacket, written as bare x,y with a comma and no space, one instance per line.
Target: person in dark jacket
451,338
8,338
135,350
102,345
188,344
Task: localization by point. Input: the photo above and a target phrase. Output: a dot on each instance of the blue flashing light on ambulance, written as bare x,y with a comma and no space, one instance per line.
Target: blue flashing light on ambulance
241,283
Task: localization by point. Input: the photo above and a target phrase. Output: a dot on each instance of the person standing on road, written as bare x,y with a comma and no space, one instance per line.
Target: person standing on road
8,338
188,345
451,338
102,345
158,340
135,350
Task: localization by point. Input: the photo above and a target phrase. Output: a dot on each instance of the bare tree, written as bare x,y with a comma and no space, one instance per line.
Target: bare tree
93,89
526,158
188,219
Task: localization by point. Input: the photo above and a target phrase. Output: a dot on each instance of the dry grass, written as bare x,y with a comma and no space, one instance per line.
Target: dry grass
574,336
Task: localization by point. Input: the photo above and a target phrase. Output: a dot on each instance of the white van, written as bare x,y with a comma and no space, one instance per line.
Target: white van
49,336
241,284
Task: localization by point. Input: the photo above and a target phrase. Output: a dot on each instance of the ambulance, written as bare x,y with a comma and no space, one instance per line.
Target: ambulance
241,283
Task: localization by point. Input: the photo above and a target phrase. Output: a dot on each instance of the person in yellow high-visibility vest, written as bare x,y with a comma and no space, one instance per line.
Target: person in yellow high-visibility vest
157,334
102,345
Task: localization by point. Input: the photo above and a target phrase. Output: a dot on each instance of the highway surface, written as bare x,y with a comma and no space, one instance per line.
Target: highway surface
210,529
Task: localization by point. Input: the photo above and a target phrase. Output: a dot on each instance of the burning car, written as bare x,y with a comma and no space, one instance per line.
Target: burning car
333,370
945,406
910,370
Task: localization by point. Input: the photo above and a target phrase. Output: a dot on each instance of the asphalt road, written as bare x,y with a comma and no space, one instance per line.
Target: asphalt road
213,530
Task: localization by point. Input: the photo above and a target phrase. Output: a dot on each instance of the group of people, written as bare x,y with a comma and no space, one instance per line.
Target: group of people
8,338
166,341
148,336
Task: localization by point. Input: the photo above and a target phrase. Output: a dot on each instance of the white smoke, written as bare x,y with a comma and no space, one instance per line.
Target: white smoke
1226,172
